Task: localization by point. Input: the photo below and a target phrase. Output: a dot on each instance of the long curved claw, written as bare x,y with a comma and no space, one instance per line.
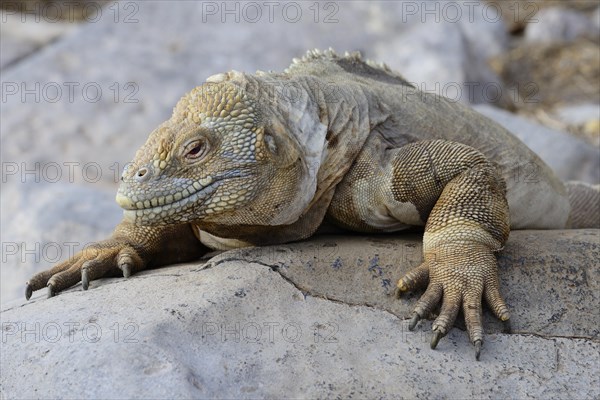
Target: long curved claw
28,290
51,290
85,279
126,268
477,349
435,339
413,321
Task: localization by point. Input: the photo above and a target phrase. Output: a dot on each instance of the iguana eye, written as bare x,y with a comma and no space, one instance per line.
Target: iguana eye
194,150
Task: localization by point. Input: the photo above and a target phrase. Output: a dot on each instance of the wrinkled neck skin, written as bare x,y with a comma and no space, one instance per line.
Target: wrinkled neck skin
327,122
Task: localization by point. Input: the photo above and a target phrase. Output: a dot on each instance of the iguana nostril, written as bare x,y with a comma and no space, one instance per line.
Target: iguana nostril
142,174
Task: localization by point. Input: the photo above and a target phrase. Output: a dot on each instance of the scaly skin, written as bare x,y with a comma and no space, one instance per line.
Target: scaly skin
263,159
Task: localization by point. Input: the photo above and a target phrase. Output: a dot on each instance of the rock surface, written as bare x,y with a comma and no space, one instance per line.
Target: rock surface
311,319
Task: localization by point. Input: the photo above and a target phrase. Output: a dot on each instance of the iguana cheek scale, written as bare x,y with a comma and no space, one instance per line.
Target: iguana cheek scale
267,158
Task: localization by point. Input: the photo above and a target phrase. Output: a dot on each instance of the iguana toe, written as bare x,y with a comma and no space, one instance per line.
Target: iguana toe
128,261
494,300
65,279
85,280
98,267
41,279
414,279
429,300
131,249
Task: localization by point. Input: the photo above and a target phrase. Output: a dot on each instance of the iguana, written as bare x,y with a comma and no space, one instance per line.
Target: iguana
267,158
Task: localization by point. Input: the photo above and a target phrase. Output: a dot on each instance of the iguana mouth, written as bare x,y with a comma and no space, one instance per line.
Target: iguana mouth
133,203
176,206
169,205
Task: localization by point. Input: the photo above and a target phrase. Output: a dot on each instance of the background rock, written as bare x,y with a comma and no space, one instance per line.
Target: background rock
557,24
519,14
452,55
66,219
19,39
581,119
569,157
551,74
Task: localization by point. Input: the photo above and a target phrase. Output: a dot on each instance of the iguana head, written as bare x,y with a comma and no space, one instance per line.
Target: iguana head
220,157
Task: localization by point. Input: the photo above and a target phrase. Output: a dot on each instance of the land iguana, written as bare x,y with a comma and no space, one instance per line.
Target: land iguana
267,158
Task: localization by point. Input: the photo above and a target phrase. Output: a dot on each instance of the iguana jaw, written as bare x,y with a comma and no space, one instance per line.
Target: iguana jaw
165,209
193,204
156,203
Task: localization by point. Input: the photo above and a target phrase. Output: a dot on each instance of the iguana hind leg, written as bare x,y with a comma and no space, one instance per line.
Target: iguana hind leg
130,249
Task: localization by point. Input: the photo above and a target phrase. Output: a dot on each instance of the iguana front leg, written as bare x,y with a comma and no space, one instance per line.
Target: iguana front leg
130,249
459,196
468,223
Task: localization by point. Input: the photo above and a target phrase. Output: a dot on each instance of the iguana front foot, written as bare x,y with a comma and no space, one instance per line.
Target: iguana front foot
92,263
131,249
459,275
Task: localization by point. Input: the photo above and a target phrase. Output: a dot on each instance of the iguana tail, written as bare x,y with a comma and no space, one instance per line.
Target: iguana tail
585,205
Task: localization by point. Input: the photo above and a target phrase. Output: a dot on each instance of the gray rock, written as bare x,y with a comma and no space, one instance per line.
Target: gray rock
23,34
243,330
583,119
559,24
569,157
44,223
448,55
578,114
596,18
